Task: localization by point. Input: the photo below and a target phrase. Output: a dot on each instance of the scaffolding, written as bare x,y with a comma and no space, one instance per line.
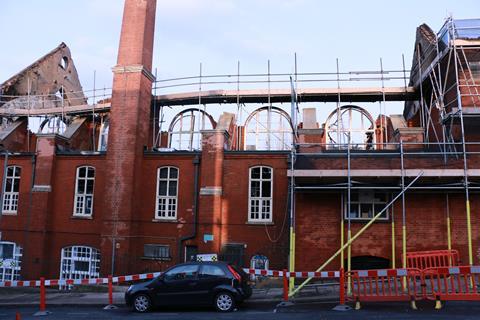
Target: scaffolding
442,83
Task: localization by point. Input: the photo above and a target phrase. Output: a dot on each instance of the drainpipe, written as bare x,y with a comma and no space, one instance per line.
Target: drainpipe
26,235
196,163
4,180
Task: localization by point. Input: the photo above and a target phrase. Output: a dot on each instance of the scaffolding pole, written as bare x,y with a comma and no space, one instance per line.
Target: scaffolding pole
464,153
93,108
292,187
349,218
358,234
404,220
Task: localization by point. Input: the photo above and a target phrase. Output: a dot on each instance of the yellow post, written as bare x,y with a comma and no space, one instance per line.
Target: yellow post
393,243
449,230
469,235
342,258
404,245
291,285
449,235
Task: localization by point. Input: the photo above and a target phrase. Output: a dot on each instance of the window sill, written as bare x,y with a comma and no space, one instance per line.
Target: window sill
260,223
156,259
9,213
165,220
82,217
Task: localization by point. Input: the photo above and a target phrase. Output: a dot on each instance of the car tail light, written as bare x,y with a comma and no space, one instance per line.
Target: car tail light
235,274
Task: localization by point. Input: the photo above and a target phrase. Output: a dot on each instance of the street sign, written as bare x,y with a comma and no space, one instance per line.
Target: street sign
207,257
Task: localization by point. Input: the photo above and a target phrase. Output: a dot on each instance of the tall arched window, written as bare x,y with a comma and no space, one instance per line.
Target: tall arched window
184,132
12,190
268,128
260,194
103,136
85,181
80,262
10,261
167,192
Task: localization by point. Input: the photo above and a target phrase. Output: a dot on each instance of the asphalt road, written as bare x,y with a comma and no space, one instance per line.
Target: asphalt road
266,311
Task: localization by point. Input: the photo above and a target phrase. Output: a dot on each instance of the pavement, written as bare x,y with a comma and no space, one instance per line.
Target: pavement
98,295
314,302
258,311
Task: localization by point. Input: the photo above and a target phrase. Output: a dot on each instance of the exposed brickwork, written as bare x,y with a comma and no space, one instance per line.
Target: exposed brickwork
129,124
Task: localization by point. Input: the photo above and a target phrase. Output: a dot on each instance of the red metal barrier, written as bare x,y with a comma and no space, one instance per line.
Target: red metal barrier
285,285
42,295
432,259
386,285
110,290
453,283
342,286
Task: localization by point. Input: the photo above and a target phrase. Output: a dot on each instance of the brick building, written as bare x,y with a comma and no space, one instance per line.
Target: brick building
103,187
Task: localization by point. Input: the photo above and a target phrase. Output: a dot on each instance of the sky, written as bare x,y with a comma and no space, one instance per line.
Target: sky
219,33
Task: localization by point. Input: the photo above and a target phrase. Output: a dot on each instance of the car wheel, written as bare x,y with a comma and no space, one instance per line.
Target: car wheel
142,303
224,302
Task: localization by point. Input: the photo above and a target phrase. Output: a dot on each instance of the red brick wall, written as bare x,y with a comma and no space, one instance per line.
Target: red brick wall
318,228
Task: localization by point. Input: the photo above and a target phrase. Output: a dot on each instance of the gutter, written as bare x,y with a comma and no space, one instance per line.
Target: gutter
196,163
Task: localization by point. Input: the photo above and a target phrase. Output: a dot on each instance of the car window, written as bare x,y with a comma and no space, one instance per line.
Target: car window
182,273
210,271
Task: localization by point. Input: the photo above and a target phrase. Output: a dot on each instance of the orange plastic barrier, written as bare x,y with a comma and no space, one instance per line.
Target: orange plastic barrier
453,283
386,285
432,259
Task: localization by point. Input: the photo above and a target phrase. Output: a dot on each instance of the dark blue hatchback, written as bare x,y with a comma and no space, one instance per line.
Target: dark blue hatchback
196,283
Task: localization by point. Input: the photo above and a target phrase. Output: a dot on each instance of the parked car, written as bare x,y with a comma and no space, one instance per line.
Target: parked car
196,283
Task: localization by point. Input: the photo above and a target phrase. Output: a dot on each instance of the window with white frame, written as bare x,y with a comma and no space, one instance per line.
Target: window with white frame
167,191
84,191
10,261
12,188
260,194
80,262
365,204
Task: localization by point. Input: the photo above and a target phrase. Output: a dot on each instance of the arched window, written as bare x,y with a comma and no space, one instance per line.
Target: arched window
53,124
260,194
350,125
80,262
83,201
12,190
10,261
184,131
167,192
268,129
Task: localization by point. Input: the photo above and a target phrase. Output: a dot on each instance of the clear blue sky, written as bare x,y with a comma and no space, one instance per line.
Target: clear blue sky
218,33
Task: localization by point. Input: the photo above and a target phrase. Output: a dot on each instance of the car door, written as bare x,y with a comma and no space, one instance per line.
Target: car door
178,286
210,277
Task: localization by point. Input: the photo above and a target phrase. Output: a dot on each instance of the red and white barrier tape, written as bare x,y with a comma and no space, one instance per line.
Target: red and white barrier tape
146,276
383,273
296,274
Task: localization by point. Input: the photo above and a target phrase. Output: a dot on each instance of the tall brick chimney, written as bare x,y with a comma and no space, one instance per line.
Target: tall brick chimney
128,133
